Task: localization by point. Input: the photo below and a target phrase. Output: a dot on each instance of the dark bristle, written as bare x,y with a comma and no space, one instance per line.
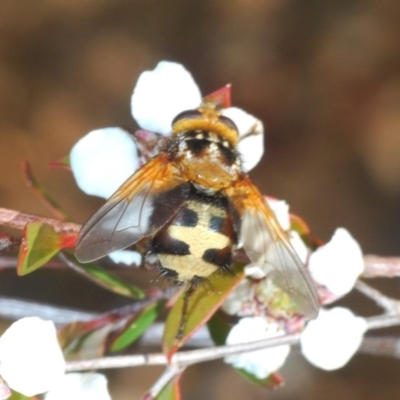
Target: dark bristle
197,146
229,156
168,274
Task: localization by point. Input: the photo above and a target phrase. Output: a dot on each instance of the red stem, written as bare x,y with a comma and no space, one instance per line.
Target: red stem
18,220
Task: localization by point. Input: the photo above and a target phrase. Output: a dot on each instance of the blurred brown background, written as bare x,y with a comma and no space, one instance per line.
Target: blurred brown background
324,76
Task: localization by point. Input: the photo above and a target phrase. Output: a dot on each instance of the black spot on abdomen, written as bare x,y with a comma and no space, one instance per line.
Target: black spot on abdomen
222,258
186,217
163,243
216,223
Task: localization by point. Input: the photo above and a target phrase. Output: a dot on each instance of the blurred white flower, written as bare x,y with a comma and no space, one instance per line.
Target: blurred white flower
281,211
31,360
5,391
299,246
161,94
128,257
331,340
236,301
260,363
338,263
102,160
254,271
251,147
80,386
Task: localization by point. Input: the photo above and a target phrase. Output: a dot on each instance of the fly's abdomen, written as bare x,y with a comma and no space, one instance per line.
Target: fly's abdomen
198,241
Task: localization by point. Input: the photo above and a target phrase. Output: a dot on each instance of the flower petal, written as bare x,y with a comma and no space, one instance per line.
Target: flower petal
260,363
338,263
161,94
128,257
300,248
243,294
80,386
251,147
5,391
331,340
102,160
281,211
254,271
31,360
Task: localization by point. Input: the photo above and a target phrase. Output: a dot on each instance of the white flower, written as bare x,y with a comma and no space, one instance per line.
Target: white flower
298,245
127,257
331,340
161,94
251,148
281,211
338,263
260,363
5,391
102,160
31,360
235,302
80,386
255,271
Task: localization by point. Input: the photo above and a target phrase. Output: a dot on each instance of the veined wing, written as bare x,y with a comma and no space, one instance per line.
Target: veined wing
140,207
268,245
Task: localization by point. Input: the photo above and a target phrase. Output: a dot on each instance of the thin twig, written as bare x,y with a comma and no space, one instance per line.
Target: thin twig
18,220
382,321
183,358
170,373
381,346
135,360
14,309
376,266
391,306
11,262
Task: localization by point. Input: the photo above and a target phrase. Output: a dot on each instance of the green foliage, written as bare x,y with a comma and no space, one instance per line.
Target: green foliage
135,327
202,304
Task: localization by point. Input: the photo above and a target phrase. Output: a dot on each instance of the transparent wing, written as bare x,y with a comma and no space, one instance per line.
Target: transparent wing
267,245
141,206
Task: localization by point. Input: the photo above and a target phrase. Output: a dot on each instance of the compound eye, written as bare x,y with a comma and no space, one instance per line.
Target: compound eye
188,114
228,122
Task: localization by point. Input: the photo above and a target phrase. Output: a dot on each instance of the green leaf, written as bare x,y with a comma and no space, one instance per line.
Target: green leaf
39,244
19,396
62,163
171,391
298,224
85,340
136,326
203,303
219,328
106,279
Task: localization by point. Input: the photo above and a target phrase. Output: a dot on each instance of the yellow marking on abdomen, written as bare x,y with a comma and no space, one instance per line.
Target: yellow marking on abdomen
187,266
